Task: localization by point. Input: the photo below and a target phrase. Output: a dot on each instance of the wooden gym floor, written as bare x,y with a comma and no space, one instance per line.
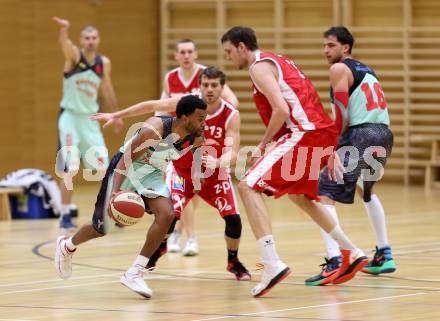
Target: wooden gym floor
199,288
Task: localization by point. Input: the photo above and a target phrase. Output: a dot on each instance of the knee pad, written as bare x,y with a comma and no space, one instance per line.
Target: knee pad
233,226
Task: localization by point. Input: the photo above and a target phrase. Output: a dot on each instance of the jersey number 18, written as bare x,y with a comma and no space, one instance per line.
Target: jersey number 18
371,102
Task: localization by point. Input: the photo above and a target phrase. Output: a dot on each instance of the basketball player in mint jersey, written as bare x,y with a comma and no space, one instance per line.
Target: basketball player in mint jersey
85,72
222,143
139,167
361,115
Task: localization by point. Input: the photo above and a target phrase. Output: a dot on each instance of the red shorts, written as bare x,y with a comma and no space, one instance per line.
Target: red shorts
293,164
219,193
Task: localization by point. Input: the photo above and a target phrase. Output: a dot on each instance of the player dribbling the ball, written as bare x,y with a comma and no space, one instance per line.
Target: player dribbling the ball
139,167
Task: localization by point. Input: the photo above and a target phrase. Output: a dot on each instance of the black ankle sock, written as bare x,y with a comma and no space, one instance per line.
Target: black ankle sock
232,255
157,254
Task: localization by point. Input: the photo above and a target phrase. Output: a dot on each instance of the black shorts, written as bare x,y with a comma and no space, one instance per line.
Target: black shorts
102,199
373,143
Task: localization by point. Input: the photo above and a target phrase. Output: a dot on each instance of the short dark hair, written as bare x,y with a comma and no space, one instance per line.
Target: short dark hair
213,73
185,40
239,34
188,104
342,35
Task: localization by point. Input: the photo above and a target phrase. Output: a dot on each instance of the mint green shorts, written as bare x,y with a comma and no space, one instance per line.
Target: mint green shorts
144,180
147,181
80,139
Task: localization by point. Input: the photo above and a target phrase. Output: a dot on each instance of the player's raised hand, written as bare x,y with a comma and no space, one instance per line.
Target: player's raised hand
63,23
106,118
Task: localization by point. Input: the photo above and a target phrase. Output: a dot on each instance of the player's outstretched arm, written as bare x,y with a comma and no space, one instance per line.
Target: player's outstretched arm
145,107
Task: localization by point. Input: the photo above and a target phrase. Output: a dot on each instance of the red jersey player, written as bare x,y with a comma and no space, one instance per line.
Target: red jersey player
220,150
304,138
184,80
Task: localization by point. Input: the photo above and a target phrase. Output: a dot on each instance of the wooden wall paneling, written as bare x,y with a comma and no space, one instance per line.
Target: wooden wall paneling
9,86
392,36
33,81
347,13
221,27
376,13
164,34
425,13
28,152
278,24
132,43
337,13
406,46
424,97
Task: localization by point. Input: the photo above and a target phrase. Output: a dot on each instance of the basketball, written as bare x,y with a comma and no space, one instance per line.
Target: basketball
126,208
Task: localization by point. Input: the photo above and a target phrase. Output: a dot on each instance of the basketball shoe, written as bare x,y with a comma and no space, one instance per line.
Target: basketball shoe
352,262
272,274
191,248
382,262
63,258
330,271
66,224
173,242
238,269
134,280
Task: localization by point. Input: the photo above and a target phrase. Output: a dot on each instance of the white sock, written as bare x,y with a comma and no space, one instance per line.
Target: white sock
139,264
332,246
342,239
376,214
268,250
69,244
65,210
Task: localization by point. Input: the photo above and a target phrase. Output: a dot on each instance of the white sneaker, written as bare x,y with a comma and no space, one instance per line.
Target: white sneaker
191,247
272,274
63,258
136,283
173,241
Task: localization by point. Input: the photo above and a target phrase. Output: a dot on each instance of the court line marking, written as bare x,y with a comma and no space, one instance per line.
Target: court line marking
36,251
16,320
60,280
56,287
193,276
174,313
312,306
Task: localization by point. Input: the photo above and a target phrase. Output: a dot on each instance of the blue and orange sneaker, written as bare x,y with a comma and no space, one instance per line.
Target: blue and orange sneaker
329,272
352,262
382,262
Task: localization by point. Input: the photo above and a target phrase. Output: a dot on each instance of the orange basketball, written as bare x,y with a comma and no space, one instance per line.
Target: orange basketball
126,208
